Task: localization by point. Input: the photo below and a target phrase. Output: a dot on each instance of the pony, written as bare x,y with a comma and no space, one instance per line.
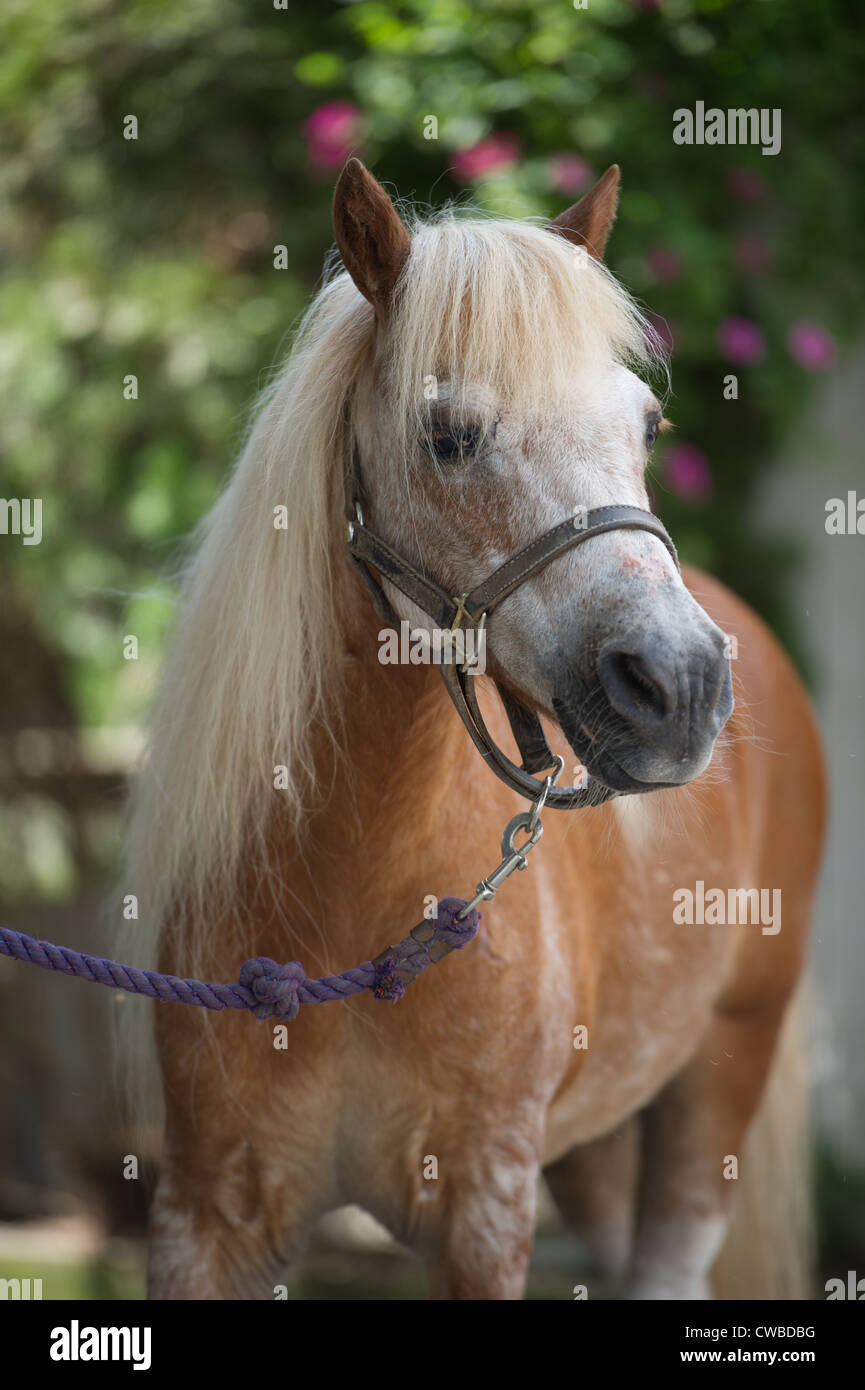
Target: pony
303,798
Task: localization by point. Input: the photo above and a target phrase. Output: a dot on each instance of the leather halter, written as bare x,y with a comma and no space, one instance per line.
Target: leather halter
373,556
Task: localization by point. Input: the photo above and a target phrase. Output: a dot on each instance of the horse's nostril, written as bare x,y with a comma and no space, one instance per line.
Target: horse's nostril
633,687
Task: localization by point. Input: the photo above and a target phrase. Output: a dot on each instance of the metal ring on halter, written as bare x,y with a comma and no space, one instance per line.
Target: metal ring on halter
548,783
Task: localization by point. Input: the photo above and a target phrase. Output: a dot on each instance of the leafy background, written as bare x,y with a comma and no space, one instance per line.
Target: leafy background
155,257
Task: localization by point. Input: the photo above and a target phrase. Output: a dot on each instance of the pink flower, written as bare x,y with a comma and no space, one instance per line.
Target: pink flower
742,341
752,253
568,173
743,184
687,471
665,264
498,151
332,132
812,346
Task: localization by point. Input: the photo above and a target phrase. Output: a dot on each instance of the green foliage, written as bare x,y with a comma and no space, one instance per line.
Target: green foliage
154,257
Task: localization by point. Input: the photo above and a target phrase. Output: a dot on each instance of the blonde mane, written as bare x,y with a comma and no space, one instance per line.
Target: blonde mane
255,657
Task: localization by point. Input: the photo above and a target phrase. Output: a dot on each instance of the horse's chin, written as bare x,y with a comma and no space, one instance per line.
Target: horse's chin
607,777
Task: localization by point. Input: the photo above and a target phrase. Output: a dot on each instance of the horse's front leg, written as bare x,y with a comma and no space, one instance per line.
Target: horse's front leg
224,1224
246,1165
485,1220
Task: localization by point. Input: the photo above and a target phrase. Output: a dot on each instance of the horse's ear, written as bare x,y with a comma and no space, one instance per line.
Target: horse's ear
373,242
589,222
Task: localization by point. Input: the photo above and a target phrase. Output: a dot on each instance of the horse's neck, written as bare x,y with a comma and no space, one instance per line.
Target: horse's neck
397,751
396,715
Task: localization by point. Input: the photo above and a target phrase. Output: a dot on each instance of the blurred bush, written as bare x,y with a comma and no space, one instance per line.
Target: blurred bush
154,258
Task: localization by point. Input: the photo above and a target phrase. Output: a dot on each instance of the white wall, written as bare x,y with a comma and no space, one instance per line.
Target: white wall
825,460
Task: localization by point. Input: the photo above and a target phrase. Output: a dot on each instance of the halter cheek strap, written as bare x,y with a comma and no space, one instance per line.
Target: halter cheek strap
374,557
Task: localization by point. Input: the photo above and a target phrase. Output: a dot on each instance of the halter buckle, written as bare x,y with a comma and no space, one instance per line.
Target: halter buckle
468,667
352,527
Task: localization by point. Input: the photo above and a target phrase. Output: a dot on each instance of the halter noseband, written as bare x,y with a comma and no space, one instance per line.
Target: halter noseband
373,556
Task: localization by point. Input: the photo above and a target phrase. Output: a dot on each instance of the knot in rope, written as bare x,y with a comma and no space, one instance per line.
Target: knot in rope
266,988
274,986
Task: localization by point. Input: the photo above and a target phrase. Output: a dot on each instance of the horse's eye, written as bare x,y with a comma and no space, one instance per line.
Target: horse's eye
450,445
652,429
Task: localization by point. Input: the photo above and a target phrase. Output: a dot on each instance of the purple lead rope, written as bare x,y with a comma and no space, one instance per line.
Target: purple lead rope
266,988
